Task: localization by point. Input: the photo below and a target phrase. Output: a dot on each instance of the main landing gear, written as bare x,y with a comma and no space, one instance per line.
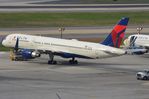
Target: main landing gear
51,60
73,61
51,57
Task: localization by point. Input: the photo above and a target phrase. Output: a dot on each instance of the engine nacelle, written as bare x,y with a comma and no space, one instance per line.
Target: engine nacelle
35,54
29,54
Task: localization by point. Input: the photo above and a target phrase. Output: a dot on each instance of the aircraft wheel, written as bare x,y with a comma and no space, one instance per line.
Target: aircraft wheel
52,62
73,62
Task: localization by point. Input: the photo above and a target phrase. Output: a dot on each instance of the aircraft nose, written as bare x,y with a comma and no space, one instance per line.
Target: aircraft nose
3,42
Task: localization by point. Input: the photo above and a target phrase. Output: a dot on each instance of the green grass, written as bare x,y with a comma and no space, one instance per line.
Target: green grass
17,20
2,48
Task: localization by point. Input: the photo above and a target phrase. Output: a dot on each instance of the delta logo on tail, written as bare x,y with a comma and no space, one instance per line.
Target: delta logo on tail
115,38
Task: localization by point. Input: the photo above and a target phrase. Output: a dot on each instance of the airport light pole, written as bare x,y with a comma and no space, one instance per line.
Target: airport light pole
61,29
139,29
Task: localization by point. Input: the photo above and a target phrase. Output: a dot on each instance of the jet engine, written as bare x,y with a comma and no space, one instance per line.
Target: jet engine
24,54
29,54
36,54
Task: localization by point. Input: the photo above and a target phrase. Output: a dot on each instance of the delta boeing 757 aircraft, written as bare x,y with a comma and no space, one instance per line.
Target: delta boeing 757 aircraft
29,46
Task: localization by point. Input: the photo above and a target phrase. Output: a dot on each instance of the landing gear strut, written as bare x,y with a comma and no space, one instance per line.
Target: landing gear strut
51,57
73,61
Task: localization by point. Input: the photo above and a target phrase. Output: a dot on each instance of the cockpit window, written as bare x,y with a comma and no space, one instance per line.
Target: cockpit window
6,37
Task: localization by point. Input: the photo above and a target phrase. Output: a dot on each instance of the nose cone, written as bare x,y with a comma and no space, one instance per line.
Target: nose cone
3,43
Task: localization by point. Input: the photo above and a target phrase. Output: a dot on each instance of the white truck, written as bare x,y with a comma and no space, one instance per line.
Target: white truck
143,75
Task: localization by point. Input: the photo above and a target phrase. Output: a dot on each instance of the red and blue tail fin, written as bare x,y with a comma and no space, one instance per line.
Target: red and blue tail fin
115,38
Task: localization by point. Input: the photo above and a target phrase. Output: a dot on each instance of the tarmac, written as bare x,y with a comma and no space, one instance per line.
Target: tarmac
111,78
7,6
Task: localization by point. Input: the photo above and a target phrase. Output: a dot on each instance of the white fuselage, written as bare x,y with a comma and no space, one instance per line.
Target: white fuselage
141,40
86,49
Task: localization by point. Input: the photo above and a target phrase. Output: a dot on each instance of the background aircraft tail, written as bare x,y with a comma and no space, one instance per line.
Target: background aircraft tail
115,38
